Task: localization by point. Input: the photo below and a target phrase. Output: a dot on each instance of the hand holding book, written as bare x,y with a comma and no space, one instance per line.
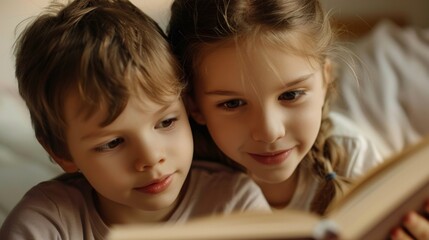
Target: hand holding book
413,224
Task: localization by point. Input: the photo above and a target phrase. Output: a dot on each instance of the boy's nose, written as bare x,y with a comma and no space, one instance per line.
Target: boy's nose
141,165
148,155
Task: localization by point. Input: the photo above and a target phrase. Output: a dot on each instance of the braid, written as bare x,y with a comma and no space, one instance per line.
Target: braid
325,157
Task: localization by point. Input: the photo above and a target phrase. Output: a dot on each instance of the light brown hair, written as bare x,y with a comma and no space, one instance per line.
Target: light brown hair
297,26
106,49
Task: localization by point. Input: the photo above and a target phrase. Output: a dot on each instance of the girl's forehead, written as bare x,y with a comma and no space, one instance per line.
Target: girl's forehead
251,60
254,46
229,68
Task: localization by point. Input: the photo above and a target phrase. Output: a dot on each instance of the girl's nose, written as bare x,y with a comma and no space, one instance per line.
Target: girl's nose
268,126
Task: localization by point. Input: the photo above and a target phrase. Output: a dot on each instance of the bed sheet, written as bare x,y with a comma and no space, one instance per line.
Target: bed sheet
387,95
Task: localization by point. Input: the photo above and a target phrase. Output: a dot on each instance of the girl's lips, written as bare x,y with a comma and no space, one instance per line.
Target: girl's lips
157,186
271,158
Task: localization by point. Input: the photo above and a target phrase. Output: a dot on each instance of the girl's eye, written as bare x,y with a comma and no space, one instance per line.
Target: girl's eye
110,145
231,104
166,123
291,95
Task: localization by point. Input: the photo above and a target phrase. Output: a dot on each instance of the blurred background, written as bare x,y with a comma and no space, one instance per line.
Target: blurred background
413,12
358,15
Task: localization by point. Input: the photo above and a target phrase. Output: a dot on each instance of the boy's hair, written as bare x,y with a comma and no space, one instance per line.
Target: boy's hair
297,26
105,50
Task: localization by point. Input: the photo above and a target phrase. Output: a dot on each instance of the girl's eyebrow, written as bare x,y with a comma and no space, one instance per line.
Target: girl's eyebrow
298,80
221,93
289,83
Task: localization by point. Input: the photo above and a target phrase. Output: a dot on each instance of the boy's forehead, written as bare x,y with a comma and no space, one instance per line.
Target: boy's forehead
77,108
150,104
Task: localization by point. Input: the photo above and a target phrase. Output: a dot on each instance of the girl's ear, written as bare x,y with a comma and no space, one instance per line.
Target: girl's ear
67,165
328,74
194,111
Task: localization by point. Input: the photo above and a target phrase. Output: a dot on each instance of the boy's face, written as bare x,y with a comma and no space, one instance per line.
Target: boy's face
265,117
138,162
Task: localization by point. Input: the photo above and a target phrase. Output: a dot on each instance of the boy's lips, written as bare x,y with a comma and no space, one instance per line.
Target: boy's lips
271,158
157,185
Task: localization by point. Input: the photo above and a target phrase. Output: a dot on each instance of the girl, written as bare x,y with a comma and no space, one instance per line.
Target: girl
259,76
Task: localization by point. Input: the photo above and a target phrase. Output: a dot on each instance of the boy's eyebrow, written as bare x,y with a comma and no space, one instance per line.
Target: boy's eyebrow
101,132
289,84
92,135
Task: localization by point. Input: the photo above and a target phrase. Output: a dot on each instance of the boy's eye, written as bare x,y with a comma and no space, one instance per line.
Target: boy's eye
166,123
291,95
110,145
231,104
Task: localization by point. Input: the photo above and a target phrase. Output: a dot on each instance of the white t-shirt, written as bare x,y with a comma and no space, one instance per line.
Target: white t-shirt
217,189
362,157
64,208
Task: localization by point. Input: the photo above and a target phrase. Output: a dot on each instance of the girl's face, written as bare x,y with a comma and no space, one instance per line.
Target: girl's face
265,117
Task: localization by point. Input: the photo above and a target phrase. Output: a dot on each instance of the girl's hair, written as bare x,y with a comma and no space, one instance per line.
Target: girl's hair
106,50
297,26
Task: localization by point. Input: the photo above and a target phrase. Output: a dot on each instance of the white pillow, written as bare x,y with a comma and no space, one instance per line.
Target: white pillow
23,162
390,101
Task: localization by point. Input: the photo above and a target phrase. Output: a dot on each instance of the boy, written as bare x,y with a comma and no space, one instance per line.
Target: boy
103,93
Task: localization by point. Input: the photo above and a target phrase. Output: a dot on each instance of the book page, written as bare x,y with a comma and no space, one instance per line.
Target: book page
285,224
383,192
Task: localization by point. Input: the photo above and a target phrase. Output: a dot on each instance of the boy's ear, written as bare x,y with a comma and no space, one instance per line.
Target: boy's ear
67,165
194,111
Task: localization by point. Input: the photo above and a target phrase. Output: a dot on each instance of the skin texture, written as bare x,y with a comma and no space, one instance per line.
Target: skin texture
266,118
148,143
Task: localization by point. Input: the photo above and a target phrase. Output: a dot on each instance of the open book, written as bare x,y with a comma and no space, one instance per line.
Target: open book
370,210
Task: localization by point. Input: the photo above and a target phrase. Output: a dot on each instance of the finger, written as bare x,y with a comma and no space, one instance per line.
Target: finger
426,209
399,234
417,225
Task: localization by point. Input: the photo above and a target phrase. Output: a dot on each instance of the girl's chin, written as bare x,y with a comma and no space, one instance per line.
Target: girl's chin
270,178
